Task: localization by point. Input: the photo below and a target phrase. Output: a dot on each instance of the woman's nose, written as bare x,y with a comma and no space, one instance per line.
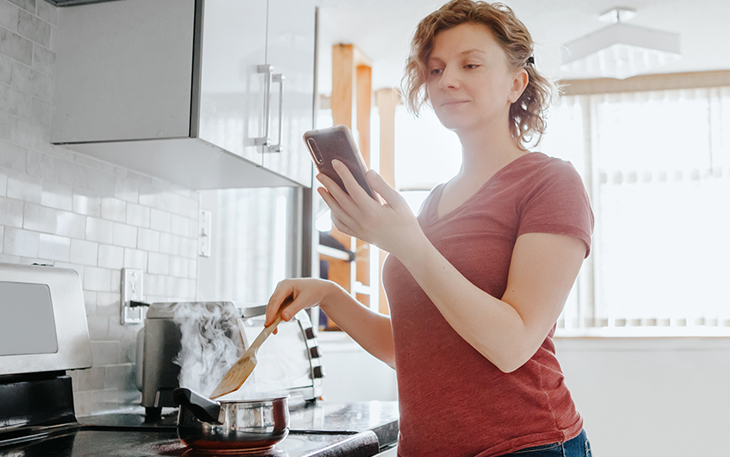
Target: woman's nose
449,79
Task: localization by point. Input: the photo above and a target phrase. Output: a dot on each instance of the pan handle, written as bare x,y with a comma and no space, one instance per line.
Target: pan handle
203,408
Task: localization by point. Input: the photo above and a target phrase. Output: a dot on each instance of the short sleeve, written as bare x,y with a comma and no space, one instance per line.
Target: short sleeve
557,203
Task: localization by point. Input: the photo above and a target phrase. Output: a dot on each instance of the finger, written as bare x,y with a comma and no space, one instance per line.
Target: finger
283,290
390,195
340,218
357,193
342,227
335,191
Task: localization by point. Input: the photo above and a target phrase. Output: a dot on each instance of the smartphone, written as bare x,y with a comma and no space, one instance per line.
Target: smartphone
337,143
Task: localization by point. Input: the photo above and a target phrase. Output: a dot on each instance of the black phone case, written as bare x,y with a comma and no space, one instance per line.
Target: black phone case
337,143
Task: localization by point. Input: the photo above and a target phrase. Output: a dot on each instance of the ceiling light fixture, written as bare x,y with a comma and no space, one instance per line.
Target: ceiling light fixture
619,50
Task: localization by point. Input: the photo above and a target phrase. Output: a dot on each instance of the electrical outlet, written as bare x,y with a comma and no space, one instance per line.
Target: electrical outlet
132,290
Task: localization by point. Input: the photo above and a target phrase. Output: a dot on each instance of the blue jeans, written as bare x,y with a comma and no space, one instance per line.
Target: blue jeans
577,447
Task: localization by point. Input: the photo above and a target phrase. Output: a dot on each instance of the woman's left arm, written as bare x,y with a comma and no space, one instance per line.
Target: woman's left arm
507,331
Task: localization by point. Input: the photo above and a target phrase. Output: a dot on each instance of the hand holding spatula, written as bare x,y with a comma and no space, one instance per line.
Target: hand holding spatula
241,370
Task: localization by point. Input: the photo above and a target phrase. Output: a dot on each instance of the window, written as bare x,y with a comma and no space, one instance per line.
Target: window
656,165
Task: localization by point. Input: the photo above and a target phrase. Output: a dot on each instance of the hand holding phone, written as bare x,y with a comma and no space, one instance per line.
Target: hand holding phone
332,143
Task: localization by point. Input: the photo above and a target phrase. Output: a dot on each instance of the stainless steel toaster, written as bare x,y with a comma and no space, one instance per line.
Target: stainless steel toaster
298,371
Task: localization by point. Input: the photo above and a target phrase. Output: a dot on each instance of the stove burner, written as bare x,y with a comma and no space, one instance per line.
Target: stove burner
177,448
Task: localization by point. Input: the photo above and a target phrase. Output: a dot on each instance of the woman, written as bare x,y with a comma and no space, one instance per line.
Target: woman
476,282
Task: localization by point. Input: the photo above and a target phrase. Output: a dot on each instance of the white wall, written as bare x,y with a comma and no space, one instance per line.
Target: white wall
666,397
65,209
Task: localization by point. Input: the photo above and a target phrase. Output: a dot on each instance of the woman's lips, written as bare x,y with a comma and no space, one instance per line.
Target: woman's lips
453,102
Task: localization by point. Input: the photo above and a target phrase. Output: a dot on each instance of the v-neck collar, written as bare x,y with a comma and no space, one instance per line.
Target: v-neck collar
432,214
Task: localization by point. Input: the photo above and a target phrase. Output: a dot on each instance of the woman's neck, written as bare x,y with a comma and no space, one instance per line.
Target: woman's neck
485,151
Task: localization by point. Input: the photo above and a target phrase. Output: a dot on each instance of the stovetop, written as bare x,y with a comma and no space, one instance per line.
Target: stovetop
380,417
321,429
86,443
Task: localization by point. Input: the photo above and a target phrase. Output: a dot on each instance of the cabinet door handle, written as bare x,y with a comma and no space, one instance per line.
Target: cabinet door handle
268,71
269,80
279,78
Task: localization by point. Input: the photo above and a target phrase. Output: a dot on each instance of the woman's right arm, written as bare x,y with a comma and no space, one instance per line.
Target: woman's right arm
371,330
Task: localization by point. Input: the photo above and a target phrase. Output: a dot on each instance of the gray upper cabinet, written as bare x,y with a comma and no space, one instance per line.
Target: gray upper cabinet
203,93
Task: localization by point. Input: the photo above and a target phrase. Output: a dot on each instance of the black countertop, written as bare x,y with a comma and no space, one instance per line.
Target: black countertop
332,419
137,443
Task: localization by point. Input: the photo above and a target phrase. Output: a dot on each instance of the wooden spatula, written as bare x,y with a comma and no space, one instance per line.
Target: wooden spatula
241,370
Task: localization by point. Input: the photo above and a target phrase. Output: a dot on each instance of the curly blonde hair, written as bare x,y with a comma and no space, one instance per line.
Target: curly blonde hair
527,114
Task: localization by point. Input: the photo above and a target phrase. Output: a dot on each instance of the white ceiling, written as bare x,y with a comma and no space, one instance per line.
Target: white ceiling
381,29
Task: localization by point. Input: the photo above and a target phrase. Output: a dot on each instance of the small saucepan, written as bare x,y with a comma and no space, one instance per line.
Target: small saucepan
229,426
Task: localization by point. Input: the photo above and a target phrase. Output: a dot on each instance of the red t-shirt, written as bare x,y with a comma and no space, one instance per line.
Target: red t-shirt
453,401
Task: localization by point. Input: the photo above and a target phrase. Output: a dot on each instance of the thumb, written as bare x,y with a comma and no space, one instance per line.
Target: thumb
390,195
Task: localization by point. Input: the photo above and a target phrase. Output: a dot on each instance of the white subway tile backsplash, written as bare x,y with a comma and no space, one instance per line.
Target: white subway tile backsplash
108,304
12,157
86,203
30,81
8,16
148,240
111,256
180,225
105,353
113,209
126,189
116,280
15,46
134,258
47,12
138,215
170,244
6,70
101,183
72,174
5,130
190,208
32,27
39,218
98,325
41,111
54,247
28,5
159,263
160,220
178,267
73,211
192,269
57,196
44,60
125,235
99,230
70,224
11,212
84,252
20,242
24,187
97,279
172,202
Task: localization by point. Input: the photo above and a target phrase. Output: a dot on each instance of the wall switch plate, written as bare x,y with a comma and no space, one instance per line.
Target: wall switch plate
132,290
205,224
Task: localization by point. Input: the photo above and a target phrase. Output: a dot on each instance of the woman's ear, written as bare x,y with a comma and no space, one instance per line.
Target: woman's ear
519,83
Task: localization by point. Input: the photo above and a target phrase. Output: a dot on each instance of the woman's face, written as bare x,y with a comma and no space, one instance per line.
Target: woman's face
469,82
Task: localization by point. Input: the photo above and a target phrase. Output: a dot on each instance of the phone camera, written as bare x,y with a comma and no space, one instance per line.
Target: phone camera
315,150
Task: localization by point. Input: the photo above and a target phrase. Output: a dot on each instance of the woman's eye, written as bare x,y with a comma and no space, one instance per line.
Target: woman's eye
435,71
471,66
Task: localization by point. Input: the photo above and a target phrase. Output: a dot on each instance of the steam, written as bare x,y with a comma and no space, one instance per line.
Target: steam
211,343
